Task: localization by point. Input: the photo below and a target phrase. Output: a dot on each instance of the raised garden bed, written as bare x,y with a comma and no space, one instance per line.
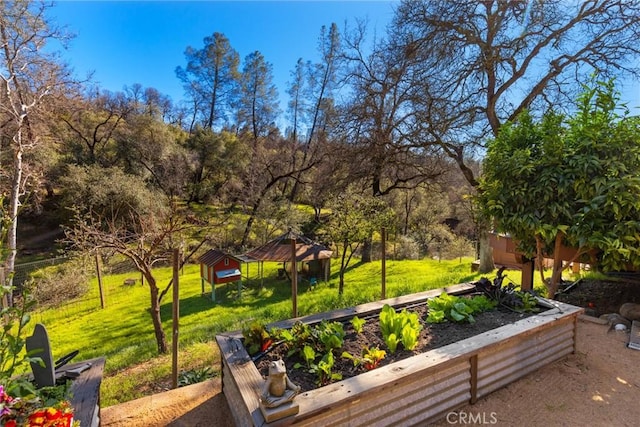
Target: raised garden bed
419,389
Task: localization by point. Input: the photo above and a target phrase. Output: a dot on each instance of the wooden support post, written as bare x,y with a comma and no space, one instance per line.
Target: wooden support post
176,317
294,278
383,243
526,281
99,274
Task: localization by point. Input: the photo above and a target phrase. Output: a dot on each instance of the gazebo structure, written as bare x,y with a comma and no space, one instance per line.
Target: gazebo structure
312,259
297,250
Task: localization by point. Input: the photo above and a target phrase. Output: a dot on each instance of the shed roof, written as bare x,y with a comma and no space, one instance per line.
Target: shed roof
214,256
279,249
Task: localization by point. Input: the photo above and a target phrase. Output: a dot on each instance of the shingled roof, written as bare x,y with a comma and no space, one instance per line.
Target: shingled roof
279,249
213,256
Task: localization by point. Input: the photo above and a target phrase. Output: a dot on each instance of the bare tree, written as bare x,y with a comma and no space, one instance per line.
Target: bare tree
268,170
127,218
89,126
312,103
29,77
380,120
483,63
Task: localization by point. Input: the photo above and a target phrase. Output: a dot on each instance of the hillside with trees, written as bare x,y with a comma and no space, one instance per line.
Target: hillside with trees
403,118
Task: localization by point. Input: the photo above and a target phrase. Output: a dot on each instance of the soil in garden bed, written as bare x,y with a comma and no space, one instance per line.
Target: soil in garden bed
600,297
432,336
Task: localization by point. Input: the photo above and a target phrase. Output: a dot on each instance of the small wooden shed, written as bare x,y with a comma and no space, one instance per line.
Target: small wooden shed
218,267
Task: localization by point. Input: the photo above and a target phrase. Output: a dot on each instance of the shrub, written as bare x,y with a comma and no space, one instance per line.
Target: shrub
406,248
52,286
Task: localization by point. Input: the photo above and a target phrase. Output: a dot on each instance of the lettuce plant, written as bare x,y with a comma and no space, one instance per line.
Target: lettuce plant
457,309
357,324
399,327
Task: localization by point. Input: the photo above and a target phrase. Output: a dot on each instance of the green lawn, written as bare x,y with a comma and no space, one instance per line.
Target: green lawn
123,333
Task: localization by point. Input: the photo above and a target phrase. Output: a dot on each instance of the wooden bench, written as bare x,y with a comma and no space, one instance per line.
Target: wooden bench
85,376
86,392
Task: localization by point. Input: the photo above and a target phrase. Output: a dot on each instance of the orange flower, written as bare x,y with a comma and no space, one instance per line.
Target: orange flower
51,417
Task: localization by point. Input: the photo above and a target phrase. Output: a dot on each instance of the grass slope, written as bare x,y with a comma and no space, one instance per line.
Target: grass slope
123,333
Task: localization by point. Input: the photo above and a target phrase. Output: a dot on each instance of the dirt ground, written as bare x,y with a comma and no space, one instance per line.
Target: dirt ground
599,385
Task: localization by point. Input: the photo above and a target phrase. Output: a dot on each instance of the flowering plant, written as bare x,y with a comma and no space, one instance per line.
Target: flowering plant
21,404
19,412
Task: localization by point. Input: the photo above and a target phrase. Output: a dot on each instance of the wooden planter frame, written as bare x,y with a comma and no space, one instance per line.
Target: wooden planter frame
417,390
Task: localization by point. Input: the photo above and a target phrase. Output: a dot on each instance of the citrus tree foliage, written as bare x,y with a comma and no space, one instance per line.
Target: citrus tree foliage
573,181
354,218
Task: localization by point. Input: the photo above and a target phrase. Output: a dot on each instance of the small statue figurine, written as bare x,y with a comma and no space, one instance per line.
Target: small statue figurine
278,388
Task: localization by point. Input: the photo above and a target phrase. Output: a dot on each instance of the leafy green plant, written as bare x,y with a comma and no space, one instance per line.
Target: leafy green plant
324,370
507,295
13,360
370,359
194,376
457,309
296,338
330,335
309,356
256,338
409,337
529,303
357,324
392,341
394,326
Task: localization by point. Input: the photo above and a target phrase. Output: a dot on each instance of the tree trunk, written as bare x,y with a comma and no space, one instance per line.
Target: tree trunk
14,204
343,267
486,254
154,310
556,276
366,250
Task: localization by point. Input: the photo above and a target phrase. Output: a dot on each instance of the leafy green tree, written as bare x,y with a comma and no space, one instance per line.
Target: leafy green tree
152,149
258,103
572,181
216,161
354,218
210,79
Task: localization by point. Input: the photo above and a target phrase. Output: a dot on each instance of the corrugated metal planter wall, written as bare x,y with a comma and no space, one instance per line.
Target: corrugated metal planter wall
416,390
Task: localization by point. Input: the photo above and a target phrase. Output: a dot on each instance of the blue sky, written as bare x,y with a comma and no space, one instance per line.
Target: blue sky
144,41
127,42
